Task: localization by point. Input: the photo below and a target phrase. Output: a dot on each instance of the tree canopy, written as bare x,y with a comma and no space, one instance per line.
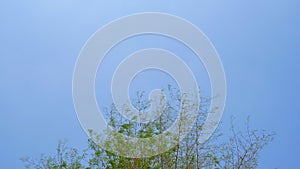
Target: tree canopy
240,150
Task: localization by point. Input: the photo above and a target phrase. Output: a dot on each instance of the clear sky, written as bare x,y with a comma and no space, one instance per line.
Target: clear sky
258,43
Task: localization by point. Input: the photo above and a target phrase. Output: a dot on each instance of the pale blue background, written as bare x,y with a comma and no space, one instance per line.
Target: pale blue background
258,42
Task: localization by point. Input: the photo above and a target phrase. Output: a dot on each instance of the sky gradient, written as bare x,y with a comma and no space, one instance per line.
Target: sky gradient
258,43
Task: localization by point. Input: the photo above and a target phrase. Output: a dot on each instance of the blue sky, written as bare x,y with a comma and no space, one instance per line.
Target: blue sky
258,43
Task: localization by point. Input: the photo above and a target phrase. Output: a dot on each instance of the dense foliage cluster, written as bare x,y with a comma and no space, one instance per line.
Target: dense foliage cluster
240,150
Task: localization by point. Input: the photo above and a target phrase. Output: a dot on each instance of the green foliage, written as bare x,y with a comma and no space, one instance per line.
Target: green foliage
239,151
